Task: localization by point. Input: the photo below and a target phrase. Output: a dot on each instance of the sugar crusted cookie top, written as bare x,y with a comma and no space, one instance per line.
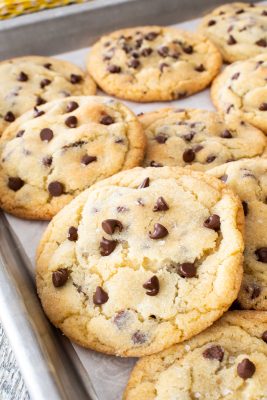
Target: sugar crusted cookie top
142,260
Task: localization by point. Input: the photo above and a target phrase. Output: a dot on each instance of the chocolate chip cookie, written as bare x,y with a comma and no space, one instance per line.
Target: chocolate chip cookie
241,89
198,139
248,179
227,361
153,63
52,153
28,82
238,30
142,260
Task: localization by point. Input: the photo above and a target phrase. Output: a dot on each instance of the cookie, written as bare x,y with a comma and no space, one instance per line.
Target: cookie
28,82
153,63
227,361
237,29
241,89
142,260
52,153
248,179
199,139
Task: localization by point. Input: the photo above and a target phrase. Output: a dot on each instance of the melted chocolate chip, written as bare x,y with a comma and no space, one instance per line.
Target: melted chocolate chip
211,22
60,277
55,188
45,82
253,291
188,49
152,286
114,69
160,205
144,184
245,208
226,134
37,113
122,209
246,369
107,246
151,36
162,66
9,117
71,106
106,120
210,159
73,234
214,353
163,51
187,270
100,296
155,164
189,155
20,133
261,43
120,319
23,77
197,148
110,225
75,79
71,121
261,254
40,101
229,108
134,63
47,161
264,336
86,159
146,52
159,232
200,68
139,338
263,107
46,134
161,138
15,183
189,136
213,222
231,40
235,76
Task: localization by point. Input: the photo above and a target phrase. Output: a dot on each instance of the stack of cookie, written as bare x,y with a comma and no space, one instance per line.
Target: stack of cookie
159,219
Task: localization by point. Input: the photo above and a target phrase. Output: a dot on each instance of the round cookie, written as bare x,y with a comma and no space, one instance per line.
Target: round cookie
199,139
241,89
28,82
238,30
248,179
227,361
153,63
51,154
142,260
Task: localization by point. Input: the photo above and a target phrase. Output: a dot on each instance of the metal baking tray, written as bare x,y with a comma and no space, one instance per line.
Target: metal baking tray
48,361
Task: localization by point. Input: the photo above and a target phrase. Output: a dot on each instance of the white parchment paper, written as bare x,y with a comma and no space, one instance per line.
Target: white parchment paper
108,374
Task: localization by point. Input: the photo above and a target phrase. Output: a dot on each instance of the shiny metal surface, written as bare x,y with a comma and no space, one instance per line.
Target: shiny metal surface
48,362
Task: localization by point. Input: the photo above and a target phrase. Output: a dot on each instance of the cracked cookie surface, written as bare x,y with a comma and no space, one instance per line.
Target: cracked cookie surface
30,81
238,30
227,361
142,260
198,139
51,154
241,89
153,63
248,179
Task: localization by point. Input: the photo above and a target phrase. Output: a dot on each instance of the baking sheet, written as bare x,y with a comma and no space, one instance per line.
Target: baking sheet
108,374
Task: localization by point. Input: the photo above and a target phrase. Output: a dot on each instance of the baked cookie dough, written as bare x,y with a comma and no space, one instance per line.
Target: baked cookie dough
28,82
52,153
142,260
153,63
237,29
227,361
248,179
199,139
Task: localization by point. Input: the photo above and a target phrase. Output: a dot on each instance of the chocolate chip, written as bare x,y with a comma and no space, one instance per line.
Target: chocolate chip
264,13
45,82
253,290
152,286
120,319
47,161
226,134
261,43
210,159
107,246
71,121
40,101
189,155
200,68
214,353
73,234
160,205
46,134
161,138
138,43
48,65
240,11
9,117
213,222
20,133
134,63
86,159
23,77
122,209
110,225
197,148
229,108
264,336
263,107
146,52
134,54
231,40
37,113
245,207
15,184
71,106
235,76
159,232
261,254
155,164
187,270
246,369
100,296
119,140
151,36
144,184
162,66
163,51
211,22
55,188
60,277
189,136
114,69
75,79
139,338
106,120
188,49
